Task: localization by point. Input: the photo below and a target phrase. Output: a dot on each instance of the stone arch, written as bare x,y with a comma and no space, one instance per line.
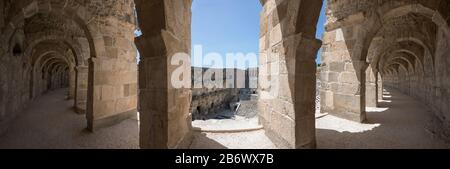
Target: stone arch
411,42
71,44
400,47
49,68
78,13
419,42
16,50
39,68
16,44
400,55
48,57
374,24
357,28
411,58
96,34
50,62
433,15
77,90
391,65
405,64
407,58
169,128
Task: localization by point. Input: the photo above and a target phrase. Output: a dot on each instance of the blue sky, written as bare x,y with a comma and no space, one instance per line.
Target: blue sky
228,26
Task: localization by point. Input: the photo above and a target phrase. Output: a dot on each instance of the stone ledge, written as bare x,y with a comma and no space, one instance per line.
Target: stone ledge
112,120
277,140
320,115
348,116
79,110
236,125
236,130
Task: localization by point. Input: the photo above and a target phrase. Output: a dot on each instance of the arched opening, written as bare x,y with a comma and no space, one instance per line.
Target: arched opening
291,35
54,70
17,50
379,69
382,68
224,58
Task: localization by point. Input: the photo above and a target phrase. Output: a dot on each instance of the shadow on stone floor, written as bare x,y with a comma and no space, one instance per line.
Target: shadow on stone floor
201,141
401,125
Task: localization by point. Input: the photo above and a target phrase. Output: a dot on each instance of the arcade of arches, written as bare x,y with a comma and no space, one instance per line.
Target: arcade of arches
89,48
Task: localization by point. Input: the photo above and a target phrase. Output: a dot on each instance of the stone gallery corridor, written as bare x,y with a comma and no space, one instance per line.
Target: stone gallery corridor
50,123
70,77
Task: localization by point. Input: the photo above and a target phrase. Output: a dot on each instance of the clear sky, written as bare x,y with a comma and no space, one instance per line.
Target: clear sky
229,26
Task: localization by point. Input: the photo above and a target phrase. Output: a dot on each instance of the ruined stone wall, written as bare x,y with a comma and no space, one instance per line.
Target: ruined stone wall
210,101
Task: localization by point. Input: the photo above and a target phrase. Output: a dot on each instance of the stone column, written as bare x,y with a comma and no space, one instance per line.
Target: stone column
287,105
371,88
81,89
72,83
2,18
3,92
165,120
287,73
360,108
112,86
342,75
305,92
379,87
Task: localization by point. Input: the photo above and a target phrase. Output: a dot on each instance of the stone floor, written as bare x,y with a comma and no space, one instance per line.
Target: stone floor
237,133
401,123
241,140
49,122
238,123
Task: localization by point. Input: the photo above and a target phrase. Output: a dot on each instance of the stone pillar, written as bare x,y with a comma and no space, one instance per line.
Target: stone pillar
287,74
305,92
113,84
165,120
287,106
371,88
361,68
81,89
72,83
380,89
2,18
342,76
3,92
